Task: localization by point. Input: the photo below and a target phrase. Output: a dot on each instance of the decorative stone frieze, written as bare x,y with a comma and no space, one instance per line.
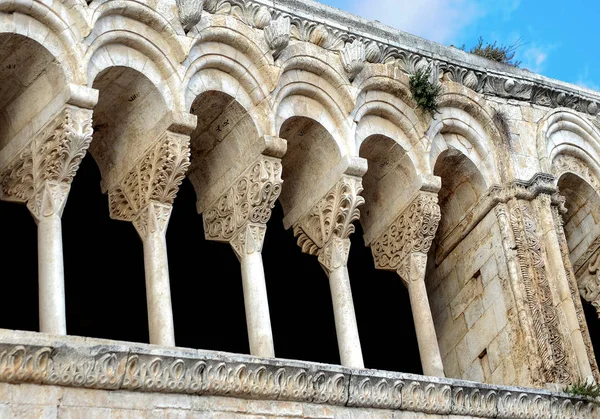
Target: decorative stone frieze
190,12
412,232
325,230
246,206
353,57
99,365
277,34
42,172
570,164
154,179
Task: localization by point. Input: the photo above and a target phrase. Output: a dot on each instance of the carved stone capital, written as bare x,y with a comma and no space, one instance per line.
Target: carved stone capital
242,212
334,254
41,173
325,230
49,200
154,218
411,233
249,240
155,179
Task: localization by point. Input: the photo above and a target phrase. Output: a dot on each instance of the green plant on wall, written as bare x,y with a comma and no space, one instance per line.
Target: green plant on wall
424,91
590,391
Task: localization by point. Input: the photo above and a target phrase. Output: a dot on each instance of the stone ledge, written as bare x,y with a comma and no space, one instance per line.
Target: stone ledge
28,357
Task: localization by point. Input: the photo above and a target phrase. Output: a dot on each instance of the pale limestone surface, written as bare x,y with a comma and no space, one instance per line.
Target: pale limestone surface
488,211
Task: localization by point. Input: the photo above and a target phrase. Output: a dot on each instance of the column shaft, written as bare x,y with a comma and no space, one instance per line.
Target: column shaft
431,360
51,276
345,318
257,306
158,290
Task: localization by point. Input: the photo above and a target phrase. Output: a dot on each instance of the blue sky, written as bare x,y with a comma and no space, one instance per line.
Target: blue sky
561,37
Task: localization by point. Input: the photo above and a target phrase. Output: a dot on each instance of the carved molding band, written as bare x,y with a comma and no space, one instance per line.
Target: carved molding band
240,215
202,373
154,179
42,172
569,164
325,230
335,36
538,293
411,232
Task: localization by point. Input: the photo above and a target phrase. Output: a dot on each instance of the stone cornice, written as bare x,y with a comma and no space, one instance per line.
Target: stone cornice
27,357
332,29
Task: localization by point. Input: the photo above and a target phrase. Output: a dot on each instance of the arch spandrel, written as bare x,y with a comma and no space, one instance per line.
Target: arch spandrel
250,43
565,132
50,27
465,122
215,66
161,19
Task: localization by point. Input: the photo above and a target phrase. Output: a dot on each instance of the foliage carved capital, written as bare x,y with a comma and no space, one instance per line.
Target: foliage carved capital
41,173
411,233
153,219
155,179
325,230
240,215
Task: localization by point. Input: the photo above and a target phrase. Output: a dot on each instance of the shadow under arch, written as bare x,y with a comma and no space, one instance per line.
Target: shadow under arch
32,81
462,186
129,117
581,225
206,285
449,276
105,290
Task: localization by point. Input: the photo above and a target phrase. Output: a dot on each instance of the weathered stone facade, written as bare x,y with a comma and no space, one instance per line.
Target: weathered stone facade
488,211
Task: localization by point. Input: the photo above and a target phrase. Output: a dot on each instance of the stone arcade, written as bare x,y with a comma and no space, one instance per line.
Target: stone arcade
488,211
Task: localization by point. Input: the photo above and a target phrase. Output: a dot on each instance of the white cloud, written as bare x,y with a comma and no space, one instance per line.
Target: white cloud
534,56
437,20
583,79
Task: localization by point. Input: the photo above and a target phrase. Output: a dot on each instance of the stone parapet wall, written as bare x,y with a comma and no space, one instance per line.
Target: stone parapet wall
98,378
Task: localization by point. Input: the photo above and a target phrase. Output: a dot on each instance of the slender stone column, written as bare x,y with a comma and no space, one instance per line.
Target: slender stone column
47,209
403,248
248,247
41,175
334,260
557,270
239,217
151,225
145,197
325,232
